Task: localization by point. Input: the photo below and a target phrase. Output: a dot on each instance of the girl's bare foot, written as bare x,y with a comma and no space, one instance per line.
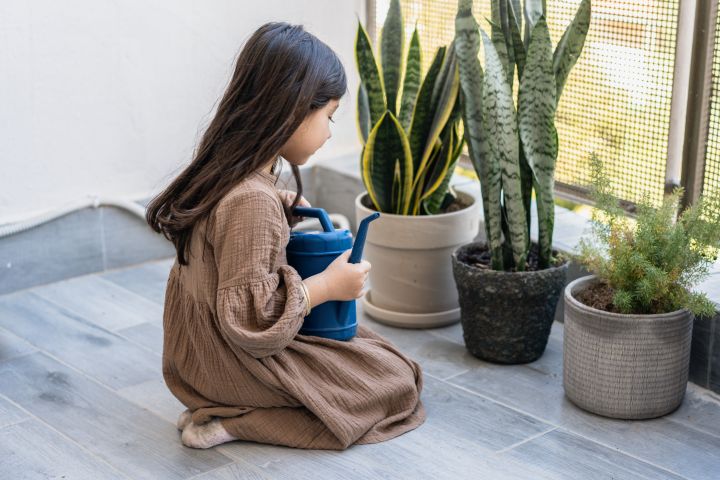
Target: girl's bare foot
206,435
184,419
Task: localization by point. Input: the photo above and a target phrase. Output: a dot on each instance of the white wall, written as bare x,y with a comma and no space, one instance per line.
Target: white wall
99,97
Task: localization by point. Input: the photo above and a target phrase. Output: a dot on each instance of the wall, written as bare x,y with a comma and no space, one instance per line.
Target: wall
109,98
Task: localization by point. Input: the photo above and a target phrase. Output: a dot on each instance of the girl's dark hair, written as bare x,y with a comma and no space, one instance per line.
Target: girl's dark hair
282,74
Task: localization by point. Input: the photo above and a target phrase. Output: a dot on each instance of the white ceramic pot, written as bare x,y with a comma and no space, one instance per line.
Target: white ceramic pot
411,279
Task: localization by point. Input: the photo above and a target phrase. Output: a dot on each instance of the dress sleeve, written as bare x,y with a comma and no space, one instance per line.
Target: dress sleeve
260,308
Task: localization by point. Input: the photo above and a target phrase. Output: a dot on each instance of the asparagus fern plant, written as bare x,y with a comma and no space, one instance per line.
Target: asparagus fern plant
409,125
651,263
512,142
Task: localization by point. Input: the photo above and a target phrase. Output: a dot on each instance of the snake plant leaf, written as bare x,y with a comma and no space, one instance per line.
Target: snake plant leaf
396,188
440,161
570,45
446,202
526,184
533,10
434,160
504,147
415,201
369,75
507,32
498,39
422,114
501,32
450,197
456,120
441,81
437,200
507,251
387,149
495,12
517,44
537,104
516,8
439,177
526,180
411,83
490,189
443,110
461,143
363,113
467,47
391,53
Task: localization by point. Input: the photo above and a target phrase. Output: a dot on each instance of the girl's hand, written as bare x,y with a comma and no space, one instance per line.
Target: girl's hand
343,280
288,197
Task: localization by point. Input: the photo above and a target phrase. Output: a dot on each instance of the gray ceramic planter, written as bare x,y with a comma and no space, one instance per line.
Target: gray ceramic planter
624,366
506,316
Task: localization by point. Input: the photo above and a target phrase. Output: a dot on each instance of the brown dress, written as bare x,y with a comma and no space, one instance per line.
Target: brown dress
231,346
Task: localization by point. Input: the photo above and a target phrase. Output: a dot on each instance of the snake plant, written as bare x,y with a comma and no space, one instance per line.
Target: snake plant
409,124
513,143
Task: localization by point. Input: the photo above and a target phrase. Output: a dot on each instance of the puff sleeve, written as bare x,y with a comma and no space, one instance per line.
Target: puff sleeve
260,308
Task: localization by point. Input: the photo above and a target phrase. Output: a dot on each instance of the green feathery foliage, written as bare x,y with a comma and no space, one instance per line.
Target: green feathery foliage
651,262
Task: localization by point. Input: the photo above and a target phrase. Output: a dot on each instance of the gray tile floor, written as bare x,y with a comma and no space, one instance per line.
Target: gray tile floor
82,396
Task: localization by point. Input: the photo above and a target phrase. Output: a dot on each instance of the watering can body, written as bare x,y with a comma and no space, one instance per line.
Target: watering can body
310,253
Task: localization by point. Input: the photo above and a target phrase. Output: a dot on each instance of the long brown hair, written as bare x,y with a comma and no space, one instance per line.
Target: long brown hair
282,74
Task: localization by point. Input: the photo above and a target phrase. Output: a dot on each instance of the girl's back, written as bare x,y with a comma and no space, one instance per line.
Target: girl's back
201,275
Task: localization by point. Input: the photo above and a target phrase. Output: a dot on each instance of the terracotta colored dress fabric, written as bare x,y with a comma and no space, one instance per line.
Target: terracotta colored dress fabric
231,347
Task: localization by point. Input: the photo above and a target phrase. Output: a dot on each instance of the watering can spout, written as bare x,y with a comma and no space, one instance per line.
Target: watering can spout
357,250
356,254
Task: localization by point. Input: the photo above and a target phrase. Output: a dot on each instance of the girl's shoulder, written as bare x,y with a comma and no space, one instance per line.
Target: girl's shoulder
250,199
251,188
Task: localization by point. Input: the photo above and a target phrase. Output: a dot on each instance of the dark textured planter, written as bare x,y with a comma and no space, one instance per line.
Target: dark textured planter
506,316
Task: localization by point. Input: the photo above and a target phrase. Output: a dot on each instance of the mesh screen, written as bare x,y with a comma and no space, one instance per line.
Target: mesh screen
616,101
711,180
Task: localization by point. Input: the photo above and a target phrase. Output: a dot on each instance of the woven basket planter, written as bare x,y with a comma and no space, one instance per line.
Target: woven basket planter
506,316
624,366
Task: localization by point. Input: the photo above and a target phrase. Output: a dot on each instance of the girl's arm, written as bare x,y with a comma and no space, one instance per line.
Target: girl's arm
317,289
344,282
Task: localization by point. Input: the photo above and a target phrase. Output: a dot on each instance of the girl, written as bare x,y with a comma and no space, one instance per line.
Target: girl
233,306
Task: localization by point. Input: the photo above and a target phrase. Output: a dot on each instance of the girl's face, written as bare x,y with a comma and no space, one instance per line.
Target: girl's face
312,133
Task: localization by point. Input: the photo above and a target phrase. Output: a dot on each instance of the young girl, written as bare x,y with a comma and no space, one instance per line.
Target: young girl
233,306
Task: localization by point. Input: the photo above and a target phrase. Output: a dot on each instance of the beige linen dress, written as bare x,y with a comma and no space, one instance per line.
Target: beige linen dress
231,347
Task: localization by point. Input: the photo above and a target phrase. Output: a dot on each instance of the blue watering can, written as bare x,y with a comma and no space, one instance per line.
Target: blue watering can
310,253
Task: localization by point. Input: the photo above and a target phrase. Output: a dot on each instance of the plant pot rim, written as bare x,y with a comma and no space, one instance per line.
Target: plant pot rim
578,282
359,204
489,271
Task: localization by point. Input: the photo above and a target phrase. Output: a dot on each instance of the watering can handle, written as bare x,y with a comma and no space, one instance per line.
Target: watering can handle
318,213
